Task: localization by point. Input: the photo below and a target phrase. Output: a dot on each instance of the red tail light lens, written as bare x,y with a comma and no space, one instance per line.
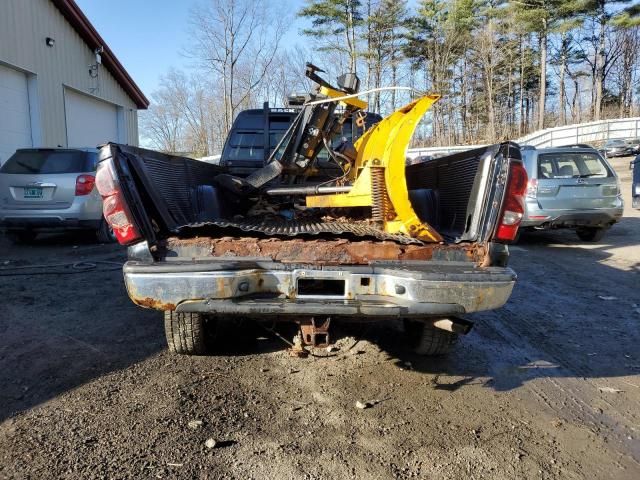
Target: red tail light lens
114,207
84,184
513,207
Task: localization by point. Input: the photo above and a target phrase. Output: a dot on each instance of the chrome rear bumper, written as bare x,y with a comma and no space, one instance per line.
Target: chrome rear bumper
254,288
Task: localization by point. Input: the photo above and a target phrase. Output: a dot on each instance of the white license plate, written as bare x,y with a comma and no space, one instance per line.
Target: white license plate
33,192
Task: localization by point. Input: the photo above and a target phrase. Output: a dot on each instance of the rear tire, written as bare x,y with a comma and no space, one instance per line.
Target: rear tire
22,236
104,233
185,333
591,234
427,340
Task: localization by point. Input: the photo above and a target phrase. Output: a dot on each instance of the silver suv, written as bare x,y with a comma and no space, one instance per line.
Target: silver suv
44,189
571,187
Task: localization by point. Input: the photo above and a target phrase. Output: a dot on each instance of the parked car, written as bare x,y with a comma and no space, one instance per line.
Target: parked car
49,189
634,145
571,187
616,147
635,182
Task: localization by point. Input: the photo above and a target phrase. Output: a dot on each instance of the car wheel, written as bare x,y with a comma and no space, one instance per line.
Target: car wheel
427,340
591,234
185,333
22,236
105,234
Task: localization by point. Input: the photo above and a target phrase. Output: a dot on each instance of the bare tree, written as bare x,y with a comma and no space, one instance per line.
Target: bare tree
236,42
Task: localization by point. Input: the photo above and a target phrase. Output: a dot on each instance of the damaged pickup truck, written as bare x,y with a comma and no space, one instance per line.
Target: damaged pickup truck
358,235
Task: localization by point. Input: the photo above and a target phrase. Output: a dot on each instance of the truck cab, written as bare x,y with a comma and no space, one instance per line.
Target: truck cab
255,133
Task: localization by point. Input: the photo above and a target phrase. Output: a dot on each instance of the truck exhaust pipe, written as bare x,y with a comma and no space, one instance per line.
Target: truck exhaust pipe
454,325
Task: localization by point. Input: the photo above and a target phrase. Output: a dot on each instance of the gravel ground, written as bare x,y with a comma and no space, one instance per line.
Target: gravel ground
547,387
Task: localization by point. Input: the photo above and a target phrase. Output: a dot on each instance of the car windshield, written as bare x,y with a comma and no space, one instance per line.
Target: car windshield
50,161
616,143
572,165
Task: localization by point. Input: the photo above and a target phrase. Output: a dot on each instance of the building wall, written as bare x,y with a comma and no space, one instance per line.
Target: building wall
24,27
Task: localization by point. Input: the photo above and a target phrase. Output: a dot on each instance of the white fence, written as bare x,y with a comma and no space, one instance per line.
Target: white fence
556,137
584,133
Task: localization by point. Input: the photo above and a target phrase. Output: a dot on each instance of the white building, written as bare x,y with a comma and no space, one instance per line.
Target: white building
60,84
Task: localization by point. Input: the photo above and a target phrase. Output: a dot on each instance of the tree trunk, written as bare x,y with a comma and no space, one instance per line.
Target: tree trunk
394,74
521,125
599,79
562,88
543,74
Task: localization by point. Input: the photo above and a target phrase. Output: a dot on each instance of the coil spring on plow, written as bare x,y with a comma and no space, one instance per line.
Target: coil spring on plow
381,209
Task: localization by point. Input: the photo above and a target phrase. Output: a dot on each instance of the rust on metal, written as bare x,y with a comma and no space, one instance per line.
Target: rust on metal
152,303
321,251
314,333
297,349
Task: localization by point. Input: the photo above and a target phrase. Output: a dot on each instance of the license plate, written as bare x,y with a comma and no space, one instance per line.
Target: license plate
33,192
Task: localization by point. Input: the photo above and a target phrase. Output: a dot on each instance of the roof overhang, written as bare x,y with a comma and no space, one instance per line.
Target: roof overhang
92,38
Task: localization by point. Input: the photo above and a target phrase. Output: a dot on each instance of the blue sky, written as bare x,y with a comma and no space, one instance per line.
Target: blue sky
147,36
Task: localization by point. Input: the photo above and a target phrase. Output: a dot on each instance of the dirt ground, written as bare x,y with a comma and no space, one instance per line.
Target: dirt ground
547,387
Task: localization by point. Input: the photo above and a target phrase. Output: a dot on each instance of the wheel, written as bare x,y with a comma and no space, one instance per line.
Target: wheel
428,340
591,234
185,333
104,233
22,236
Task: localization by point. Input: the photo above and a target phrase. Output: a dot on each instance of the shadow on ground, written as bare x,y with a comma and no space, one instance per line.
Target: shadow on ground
572,314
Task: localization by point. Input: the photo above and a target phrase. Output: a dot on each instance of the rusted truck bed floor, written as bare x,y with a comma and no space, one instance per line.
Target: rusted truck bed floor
319,251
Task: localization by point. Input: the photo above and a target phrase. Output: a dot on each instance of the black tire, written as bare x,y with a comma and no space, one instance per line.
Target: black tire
185,333
104,233
428,340
22,236
591,234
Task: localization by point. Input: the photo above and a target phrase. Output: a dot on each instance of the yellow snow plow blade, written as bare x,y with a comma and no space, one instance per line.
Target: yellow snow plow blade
378,175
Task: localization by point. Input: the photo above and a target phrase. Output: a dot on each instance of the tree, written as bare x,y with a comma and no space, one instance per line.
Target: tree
335,23
602,16
542,17
384,33
236,41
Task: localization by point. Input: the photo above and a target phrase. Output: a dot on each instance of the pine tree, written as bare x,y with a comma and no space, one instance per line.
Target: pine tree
333,19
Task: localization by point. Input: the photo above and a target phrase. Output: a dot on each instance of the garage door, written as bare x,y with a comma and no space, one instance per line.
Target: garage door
90,122
15,123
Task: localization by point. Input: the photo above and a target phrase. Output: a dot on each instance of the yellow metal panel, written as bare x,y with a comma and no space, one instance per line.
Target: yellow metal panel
339,200
359,196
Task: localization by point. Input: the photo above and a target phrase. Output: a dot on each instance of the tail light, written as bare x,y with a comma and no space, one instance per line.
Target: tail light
84,184
114,207
532,188
513,206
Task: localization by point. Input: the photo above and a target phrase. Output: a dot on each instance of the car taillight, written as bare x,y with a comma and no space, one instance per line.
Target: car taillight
532,188
114,207
513,206
84,184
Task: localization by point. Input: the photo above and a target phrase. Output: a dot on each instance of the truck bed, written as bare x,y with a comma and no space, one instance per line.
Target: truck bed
201,253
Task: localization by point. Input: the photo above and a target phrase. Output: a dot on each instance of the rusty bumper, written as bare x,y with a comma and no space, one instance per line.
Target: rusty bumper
254,288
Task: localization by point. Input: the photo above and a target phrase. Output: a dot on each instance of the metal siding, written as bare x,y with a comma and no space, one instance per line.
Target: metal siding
90,122
15,124
24,26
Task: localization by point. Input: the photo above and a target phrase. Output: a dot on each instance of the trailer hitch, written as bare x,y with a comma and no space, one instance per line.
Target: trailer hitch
312,334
